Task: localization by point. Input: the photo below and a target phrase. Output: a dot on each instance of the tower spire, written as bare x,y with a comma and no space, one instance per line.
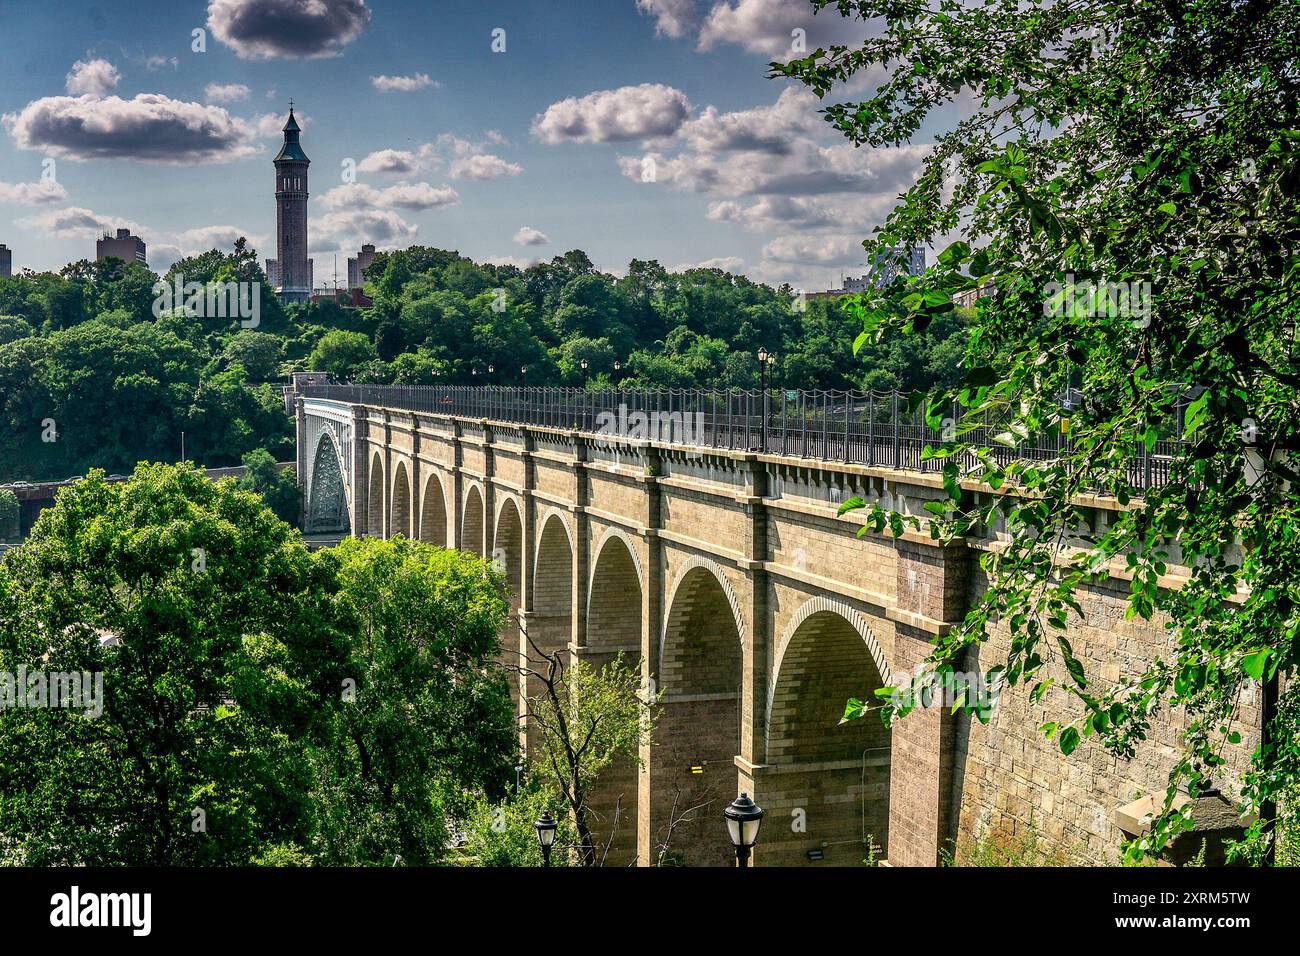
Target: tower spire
291,268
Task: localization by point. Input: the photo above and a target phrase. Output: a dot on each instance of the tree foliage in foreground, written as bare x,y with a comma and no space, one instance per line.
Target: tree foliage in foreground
1109,147
587,717
260,704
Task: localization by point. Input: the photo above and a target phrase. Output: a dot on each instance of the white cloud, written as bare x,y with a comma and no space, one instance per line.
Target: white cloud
351,227
483,166
92,78
725,263
164,255
291,29
806,169
816,250
771,129
39,193
402,84
804,212
672,17
150,127
528,236
225,93
519,262
767,27
647,111
203,238
76,222
417,196
468,159
401,161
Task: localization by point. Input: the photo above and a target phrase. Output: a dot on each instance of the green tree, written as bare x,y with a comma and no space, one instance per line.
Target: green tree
502,833
341,353
10,512
190,600
13,328
279,489
258,352
425,718
1127,181
586,717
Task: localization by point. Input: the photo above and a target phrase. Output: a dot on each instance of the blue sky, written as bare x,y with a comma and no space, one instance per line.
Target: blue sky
627,128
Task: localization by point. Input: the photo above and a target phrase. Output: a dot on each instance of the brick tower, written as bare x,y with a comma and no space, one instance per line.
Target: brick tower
291,273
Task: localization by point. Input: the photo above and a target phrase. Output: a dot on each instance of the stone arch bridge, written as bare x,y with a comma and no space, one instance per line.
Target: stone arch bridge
704,545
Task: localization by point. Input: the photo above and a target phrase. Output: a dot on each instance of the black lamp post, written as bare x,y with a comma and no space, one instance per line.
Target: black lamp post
743,819
546,827
765,359
583,363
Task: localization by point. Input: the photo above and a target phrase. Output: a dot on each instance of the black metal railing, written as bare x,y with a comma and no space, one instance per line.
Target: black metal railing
867,428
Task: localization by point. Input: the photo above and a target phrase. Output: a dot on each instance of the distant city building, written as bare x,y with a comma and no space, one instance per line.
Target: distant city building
357,266
889,265
6,261
968,298
123,246
290,272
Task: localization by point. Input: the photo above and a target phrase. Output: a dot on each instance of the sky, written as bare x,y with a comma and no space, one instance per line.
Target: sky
509,131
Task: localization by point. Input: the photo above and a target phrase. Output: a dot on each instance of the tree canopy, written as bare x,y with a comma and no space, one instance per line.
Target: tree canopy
239,699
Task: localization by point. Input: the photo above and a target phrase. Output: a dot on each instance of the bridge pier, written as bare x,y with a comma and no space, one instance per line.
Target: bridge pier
932,586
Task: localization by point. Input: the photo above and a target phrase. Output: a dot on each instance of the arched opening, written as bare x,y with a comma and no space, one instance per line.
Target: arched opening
508,556
693,761
471,522
375,499
327,500
401,503
433,513
550,623
836,774
613,629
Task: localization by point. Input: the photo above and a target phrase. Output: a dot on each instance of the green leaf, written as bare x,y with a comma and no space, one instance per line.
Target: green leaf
1254,663
1069,740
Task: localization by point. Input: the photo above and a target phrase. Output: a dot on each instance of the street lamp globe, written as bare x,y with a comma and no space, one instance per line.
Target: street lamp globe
546,826
763,354
743,818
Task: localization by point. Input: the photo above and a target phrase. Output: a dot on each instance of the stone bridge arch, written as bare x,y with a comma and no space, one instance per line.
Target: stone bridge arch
433,512
377,498
401,521
548,622
472,520
615,600
700,673
508,556
833,777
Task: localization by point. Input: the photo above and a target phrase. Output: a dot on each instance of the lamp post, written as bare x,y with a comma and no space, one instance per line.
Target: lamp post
546,826
743,818
765,359
583,363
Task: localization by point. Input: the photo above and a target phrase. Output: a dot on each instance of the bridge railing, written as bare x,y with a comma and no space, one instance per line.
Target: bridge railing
868,428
